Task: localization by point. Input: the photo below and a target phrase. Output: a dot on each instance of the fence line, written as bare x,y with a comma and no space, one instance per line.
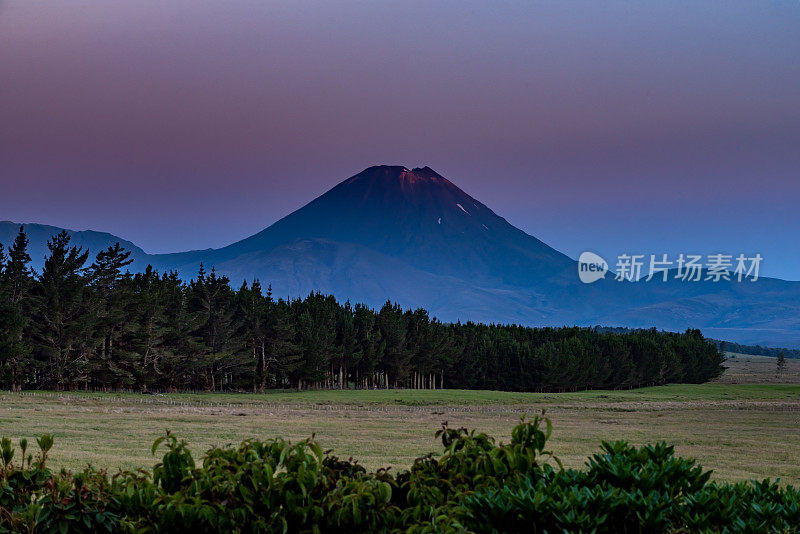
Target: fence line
765,405
271,405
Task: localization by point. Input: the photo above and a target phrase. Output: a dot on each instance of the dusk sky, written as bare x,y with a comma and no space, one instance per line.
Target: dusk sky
655,127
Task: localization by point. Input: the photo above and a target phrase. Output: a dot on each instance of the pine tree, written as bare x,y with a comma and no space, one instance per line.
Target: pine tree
251,309
220,352
393,324
17,272
112,307
63,330
316,332
145,328
169,326
346,346
781,363
15,353
282,357
370,346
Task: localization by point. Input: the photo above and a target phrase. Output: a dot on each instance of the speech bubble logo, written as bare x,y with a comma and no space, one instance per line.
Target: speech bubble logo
591,267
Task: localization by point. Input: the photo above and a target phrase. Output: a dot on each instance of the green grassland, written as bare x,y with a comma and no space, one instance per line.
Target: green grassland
740,430
716,391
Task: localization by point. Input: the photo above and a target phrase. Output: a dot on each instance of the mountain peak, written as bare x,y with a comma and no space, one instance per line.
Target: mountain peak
398,174
415,216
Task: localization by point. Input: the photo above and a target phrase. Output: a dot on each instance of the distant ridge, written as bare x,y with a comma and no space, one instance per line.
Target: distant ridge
39,234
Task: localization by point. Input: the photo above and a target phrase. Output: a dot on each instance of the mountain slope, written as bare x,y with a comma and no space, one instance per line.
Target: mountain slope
414,215
412,236
39,234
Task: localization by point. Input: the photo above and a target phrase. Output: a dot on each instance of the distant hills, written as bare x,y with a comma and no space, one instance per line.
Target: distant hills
412,236
39,234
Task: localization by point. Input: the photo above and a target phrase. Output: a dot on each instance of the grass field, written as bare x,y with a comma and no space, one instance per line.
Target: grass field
746,369
740,430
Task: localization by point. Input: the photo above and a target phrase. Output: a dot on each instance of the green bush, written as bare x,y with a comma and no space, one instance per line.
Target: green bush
474,485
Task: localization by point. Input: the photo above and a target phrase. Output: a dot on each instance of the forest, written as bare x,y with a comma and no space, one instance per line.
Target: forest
89,324
756,350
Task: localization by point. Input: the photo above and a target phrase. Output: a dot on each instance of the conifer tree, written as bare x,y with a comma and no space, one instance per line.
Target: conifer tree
781,363
282,357
370,346
316,333
172,345
112,305
15,281
346,346
63,332
393,324
219,350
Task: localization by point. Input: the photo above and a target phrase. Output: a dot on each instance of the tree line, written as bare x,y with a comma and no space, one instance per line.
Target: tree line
94,326
724,346
755,350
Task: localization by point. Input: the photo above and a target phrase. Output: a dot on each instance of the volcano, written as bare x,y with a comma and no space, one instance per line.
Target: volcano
413,237
416,216
389,232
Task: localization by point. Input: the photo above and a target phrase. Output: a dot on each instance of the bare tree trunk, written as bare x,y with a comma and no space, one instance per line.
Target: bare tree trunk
263,367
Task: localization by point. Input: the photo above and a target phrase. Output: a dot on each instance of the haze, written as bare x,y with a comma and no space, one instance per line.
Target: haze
608,126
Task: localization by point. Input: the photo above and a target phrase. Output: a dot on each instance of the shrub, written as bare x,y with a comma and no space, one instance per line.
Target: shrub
474,485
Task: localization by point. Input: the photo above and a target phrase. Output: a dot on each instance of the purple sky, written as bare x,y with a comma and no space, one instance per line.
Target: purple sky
610,126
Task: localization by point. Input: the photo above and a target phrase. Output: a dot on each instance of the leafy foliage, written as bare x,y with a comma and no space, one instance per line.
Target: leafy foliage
473,485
